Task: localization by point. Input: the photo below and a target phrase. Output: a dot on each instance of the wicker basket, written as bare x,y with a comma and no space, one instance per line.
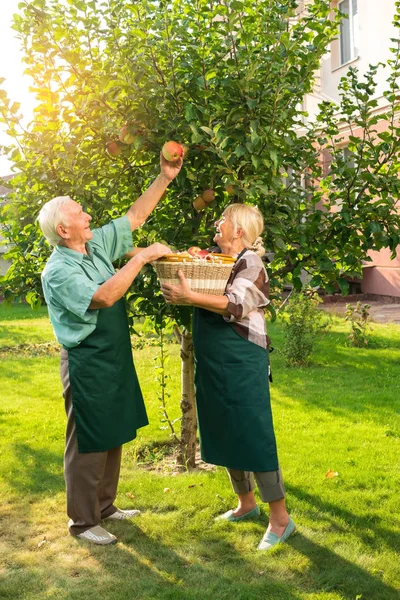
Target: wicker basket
207,277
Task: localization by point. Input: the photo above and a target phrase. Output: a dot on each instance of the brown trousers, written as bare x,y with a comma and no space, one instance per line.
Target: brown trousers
91,478
270,484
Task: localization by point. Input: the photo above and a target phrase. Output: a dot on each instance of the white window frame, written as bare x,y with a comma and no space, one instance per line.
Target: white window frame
348,157
352,31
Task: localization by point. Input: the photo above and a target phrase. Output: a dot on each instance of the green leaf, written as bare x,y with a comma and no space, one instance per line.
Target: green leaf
280,243
240,151
375,227
252,103
207,130
344,286
316,281
272,311
330,288
211,75
274,157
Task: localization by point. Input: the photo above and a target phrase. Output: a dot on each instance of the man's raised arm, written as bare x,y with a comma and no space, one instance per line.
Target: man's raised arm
144,205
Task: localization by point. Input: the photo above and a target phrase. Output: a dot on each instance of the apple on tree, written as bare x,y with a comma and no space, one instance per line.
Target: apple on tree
199,203
126,136
113,148
208,196
130,131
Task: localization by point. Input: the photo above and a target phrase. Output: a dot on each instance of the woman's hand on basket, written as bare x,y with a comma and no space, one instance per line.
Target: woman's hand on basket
177,294
153,252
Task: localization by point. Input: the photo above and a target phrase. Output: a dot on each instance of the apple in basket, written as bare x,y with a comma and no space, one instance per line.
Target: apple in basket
196,251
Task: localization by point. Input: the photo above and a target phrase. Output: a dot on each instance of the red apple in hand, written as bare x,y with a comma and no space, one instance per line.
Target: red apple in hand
172,151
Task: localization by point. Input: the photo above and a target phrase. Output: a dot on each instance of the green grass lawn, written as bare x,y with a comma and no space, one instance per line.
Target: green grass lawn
341,414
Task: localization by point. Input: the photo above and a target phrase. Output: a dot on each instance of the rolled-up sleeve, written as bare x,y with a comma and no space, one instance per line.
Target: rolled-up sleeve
249,288
115,238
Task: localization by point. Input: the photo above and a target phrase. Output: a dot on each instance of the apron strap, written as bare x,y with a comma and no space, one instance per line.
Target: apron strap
241,253
239,256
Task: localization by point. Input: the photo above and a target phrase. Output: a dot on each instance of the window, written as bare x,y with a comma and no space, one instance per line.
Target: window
348,31
348,157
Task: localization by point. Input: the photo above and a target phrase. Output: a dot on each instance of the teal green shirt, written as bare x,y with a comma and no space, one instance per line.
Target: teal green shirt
70,279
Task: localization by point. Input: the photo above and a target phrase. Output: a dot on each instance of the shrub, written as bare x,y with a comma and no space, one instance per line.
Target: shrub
304,323
358,316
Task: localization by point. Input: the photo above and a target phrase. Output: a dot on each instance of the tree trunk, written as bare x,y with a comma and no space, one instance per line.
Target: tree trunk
187,451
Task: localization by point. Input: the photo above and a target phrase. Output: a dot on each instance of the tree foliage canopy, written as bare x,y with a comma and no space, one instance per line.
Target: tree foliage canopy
225,77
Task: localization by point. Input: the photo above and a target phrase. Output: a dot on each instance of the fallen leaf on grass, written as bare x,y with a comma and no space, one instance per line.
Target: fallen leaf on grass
44,540
130,495
391,433
331,474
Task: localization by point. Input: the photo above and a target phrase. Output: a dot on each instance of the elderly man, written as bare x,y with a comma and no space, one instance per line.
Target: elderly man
103,401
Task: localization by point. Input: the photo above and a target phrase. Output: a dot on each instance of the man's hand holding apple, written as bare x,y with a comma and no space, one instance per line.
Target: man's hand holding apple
170,169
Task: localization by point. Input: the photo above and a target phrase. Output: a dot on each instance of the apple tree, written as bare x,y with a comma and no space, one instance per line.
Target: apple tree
114,80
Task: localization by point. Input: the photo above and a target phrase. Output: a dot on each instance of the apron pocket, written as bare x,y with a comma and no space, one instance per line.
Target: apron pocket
245,385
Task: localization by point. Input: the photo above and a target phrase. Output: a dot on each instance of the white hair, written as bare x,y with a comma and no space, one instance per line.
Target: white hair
250,220
50,216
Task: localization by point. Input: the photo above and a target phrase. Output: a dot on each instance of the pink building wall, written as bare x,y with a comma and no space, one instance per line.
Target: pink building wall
382,275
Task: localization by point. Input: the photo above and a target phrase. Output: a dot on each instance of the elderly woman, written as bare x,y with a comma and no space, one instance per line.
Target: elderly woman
231,360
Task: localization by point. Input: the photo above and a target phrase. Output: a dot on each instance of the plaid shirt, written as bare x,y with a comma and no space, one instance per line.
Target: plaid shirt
247,291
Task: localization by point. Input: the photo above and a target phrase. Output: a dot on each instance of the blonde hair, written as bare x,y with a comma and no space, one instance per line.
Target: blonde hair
250,220
50,216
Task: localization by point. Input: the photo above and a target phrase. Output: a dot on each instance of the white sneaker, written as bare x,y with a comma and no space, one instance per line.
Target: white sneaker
97,535
121,515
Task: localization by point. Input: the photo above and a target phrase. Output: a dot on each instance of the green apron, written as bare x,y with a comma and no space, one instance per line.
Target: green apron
232,397
106,397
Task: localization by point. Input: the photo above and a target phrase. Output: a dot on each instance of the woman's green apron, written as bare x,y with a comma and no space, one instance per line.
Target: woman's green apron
106,397
232,396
